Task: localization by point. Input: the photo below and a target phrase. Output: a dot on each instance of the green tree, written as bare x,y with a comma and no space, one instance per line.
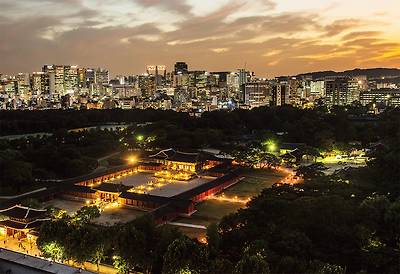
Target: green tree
252,264
185,256
311,171
85,214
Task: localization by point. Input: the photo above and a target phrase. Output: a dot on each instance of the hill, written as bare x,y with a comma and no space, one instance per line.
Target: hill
371,73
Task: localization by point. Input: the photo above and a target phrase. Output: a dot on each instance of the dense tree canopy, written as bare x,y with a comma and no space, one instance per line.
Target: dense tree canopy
347,222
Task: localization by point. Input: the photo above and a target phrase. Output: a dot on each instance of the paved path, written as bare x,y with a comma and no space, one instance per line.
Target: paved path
29,247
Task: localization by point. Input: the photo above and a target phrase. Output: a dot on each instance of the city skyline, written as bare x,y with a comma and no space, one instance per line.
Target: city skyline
270,38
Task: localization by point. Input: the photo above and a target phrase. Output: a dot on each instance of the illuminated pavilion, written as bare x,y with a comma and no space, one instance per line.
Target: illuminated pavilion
179,161
19,221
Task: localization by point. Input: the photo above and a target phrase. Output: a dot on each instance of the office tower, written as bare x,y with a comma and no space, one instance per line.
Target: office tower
70,78
353,91
10,86
181,80
59,80
381,97
337,91
243,75
102,77
297,90
49,73
280,94
23,83
317,89
362,81
90,77
221,78
180,68
147,85
232,82
82,78
256,94
38,83
158,71
198,79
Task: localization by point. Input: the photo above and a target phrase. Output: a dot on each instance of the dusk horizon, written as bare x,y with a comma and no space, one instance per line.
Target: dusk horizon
271,38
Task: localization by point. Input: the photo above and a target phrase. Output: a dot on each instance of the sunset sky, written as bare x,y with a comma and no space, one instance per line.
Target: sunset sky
270,37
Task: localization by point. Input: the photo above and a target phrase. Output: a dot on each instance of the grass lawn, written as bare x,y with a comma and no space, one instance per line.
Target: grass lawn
212,211
254,182
193,233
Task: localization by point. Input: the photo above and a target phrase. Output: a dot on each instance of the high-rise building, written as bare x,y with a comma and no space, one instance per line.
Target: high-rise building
317,88
232,82
280,94
243,78
38,83
180,80
23,83
341,91
49,74
90,77
362,81
353,88
82,78
102,76
256,94
336,91
382,97
59,80
70,78
198,79
158,71
180,68
147,85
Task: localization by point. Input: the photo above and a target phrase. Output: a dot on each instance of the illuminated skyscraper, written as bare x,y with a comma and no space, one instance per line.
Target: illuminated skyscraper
280,94
256,94
38,83
180,68
70,78
23,83
59,80
102,76
341,91
90,77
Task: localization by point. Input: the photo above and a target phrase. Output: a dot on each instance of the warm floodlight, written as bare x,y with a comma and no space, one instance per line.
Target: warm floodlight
271,145
132,159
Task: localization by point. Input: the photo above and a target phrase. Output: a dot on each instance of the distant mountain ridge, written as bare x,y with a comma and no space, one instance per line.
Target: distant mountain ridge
371,73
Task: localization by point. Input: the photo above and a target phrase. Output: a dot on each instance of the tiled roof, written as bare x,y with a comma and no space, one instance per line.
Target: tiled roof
21,225
38,265
110,187
22,212
177,156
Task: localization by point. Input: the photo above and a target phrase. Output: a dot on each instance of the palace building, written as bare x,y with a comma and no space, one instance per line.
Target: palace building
179,161
19,221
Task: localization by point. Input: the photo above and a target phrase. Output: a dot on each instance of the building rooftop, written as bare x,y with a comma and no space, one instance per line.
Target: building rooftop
113,188
22,212
22,225
176,156
17,262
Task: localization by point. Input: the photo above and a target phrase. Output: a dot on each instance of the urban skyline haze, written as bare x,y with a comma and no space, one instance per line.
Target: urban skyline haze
269,37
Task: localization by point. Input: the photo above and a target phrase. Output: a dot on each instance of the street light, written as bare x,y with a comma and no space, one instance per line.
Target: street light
140,138
271,145
132,159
